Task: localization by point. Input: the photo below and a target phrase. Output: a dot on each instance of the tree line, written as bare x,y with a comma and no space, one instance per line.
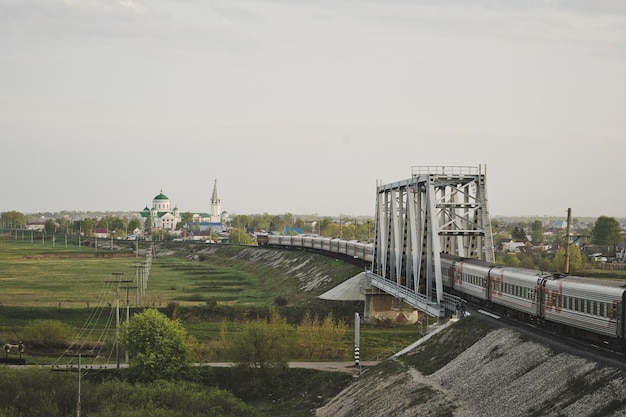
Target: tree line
346,227
603,236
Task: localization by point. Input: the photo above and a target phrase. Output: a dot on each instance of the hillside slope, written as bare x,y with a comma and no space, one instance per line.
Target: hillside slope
502,374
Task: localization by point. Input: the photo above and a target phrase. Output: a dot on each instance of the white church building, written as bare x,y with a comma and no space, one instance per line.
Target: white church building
165,217
207,223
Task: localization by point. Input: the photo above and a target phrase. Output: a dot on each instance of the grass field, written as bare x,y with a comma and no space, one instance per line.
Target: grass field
75,286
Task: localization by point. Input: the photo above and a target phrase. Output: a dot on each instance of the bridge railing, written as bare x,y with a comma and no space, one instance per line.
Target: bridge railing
444,170
420,301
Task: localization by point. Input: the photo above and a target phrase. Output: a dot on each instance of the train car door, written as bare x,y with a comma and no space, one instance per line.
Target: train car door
539,296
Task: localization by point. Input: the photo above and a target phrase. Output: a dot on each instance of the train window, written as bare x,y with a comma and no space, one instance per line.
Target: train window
595,308
602,310
576,304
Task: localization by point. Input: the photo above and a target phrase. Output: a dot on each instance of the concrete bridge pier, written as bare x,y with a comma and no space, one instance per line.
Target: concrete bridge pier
380,306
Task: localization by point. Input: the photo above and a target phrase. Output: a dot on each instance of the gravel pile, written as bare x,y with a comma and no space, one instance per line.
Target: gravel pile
503,374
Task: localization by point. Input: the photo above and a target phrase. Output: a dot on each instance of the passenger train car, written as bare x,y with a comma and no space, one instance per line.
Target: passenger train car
355,251
582,307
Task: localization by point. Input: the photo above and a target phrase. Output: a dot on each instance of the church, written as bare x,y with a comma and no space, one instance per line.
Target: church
162,215
165,217
205,223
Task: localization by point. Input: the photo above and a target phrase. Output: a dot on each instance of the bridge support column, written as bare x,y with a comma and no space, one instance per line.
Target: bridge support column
381,306
442,313
367,308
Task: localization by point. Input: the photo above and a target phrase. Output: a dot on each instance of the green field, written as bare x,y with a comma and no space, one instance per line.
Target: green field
211,289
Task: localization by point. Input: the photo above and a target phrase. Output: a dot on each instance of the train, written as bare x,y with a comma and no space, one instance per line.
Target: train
579,307
354,251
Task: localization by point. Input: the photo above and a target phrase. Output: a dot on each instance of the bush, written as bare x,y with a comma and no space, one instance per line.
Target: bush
280,301
47,333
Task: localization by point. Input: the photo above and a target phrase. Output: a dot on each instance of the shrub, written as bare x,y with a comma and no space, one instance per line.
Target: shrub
48,333
280,301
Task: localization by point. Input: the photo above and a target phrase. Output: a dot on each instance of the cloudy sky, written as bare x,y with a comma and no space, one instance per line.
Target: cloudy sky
302,106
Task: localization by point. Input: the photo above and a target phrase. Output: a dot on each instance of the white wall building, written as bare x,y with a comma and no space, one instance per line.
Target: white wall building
163,216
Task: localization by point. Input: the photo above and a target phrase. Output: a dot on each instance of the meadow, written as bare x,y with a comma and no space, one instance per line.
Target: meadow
210,290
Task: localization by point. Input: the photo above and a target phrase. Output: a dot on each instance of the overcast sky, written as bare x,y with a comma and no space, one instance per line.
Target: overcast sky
301,106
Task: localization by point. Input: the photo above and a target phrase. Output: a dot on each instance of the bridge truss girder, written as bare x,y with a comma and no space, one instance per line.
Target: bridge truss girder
438,210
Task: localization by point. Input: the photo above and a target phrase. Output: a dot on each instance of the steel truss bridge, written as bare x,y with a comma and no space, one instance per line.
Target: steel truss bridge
438,210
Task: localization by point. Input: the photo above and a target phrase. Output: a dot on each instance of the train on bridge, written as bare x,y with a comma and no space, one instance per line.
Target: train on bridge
361,253
587,308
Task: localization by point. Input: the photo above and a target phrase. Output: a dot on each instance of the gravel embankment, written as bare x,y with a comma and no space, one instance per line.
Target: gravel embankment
503,374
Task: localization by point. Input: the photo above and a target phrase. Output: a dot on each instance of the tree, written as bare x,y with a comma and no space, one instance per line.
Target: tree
264,344
606,231
50,226
186,217
157,346
87,226
332,336
577,260
536,233
332,230
508,259
518,234
12,219
134,224
239,236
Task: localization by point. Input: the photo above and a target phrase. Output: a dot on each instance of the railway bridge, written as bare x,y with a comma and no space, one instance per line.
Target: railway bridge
438,209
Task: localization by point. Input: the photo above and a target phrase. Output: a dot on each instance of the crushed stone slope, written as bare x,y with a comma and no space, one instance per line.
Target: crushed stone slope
503,374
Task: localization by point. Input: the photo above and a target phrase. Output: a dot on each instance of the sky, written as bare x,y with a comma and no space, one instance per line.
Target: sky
303,106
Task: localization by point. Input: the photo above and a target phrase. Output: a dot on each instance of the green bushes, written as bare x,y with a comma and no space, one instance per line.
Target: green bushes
157,346
48,333
42,393
270,342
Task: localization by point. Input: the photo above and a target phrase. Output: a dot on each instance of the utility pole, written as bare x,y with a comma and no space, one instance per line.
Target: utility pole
568,238
78,402
118,281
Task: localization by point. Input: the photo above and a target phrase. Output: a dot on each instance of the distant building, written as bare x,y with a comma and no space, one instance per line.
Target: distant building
36,226
100,232
163,216
204,224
